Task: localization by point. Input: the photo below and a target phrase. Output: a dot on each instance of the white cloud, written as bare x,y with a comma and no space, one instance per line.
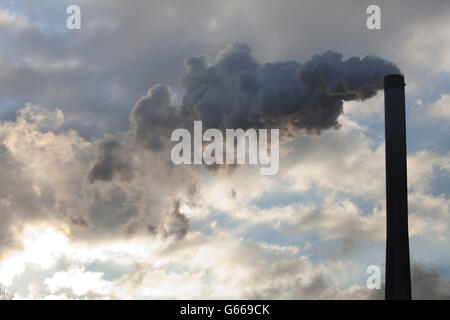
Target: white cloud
216,266
422,169
79,281
425,47
429,217
372,108
341,161
13,20
437,110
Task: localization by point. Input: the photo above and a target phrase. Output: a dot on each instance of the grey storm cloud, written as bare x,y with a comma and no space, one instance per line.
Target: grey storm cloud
153,118
112,161
237,91
429,282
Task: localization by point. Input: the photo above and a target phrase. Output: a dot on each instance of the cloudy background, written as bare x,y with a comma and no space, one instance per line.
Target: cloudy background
91,207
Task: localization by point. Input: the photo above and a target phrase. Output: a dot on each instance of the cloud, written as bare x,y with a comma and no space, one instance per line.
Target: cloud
343,221
218,266
113,160
423,47
44,169
368,109
346,161
13,20
437,110
176,222
79,281
422,169
429,283
333,186
153,118
44,119
102,70
237,91
18,201
103,192
429,216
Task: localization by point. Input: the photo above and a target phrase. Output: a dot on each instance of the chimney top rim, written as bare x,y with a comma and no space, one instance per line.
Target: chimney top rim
394,81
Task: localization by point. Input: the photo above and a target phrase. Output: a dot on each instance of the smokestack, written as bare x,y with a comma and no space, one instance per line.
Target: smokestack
398,278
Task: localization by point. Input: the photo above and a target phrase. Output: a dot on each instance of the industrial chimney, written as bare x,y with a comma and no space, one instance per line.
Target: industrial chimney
398,278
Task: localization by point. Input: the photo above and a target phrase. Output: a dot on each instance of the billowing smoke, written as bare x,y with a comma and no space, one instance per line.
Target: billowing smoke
153,118
236,91
112,160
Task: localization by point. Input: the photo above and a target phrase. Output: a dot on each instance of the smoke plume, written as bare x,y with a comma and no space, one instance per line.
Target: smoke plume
234,90
237,91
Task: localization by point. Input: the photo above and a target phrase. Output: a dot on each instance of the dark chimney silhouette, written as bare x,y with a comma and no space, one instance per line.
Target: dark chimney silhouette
398,277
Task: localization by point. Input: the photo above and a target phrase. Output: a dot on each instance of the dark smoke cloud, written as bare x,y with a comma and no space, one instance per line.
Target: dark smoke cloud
153,118
237,91
112,161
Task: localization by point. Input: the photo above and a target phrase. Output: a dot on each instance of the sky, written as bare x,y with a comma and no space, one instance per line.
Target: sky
92,208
